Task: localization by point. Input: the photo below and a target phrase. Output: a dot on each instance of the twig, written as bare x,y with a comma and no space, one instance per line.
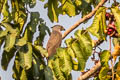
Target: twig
97,42
111,59
83,19
90,72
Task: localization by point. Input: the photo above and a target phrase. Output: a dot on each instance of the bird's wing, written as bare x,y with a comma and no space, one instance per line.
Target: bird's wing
55,39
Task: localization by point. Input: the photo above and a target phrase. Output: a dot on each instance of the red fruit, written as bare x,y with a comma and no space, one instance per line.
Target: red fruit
108,33
107,14
110,30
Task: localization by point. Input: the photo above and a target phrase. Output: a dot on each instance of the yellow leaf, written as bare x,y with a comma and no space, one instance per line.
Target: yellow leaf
118,71
117,77
116,51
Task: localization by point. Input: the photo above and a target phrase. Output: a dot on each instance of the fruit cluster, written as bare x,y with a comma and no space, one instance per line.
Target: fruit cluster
111,28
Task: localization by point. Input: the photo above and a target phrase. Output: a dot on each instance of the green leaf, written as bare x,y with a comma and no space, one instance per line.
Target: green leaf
50,64
18,72
1,41
36,72
65,62
80,56
25,55
20,18
5,11
10,37
21,42
69,41
10,41
43,31
23,75
68,7
96,78
28,35
80,47
1,5
53,10
86,10
34,21
56,68
116,13
99,24
85,42
95,2
116,41
6,58
38,67
78,2
104,58
71,52
32,3
19,15
9,27
118,69
3,33
48,74
38,57
41,50
16,68
103,74
83,6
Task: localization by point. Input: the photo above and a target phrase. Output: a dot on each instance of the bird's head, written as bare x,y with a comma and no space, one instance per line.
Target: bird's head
58,28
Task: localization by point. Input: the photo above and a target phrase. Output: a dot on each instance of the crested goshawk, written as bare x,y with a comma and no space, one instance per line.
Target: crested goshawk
55,39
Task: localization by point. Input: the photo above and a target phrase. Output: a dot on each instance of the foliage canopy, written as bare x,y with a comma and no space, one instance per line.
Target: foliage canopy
17,36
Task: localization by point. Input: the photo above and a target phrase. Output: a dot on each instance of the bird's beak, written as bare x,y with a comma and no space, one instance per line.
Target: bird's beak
63,29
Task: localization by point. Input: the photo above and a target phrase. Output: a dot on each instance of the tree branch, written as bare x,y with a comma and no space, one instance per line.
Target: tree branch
98,65
83,19
90,72
95,68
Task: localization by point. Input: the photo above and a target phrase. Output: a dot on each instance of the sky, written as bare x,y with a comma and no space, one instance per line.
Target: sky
65,21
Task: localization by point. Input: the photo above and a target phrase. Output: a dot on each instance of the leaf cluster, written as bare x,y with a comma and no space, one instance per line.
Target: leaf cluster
17,30
19,25
69,7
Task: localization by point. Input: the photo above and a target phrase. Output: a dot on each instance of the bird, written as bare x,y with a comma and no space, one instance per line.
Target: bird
55,40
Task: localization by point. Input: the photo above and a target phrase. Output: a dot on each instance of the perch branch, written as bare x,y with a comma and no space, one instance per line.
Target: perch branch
83,19
90,72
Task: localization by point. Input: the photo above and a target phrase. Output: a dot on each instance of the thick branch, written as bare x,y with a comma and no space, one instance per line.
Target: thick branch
83,19
90,72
